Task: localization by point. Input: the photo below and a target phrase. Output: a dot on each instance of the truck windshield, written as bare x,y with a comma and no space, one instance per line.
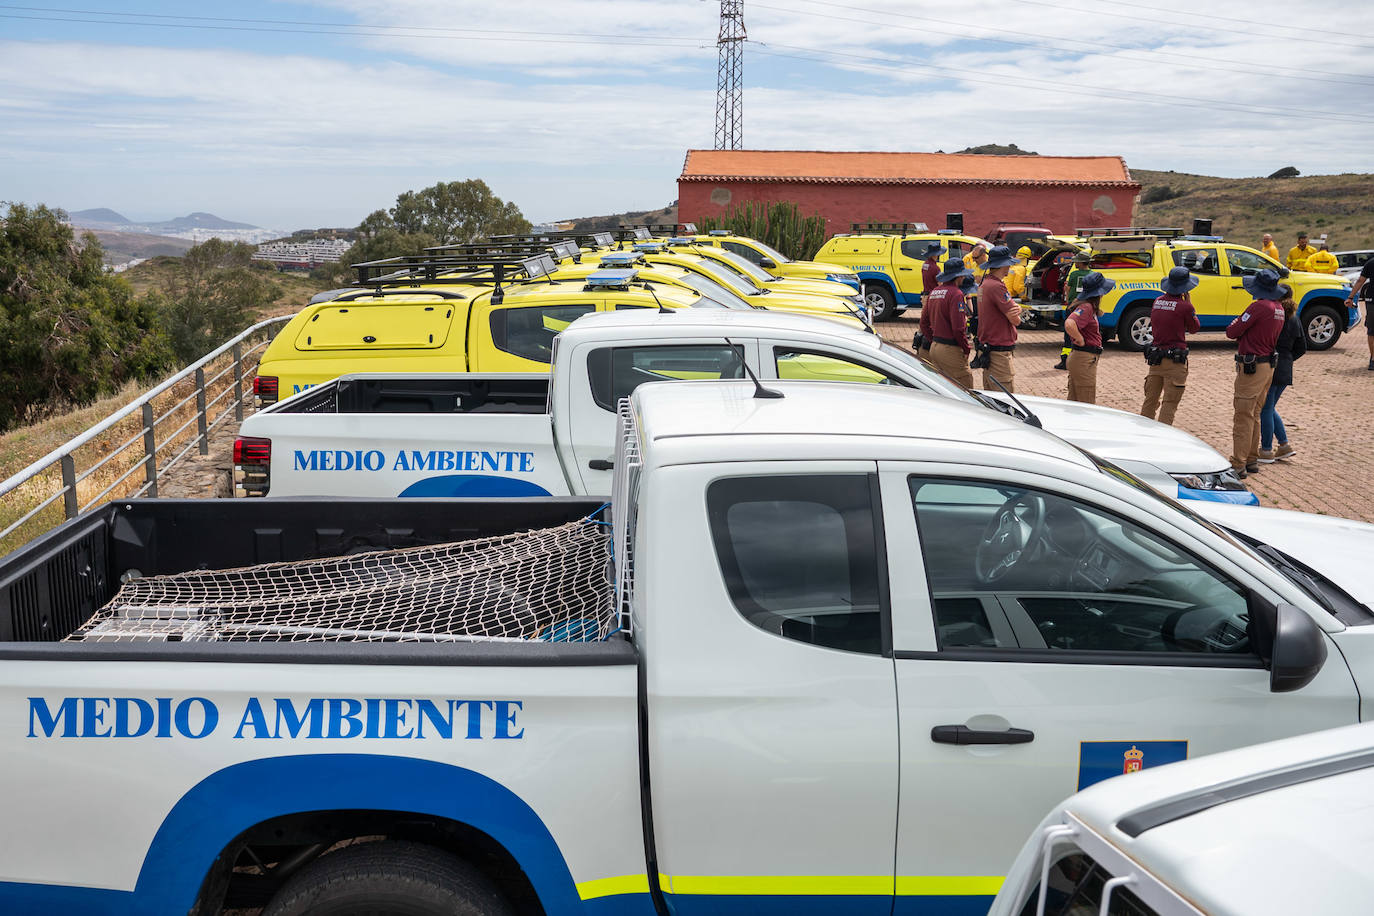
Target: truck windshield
728,277
713,290
770,252
745,266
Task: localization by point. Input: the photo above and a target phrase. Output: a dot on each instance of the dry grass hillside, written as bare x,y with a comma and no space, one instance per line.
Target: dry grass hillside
1243,209
295,288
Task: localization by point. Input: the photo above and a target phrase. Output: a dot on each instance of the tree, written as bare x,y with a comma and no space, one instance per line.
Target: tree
69,331
455,211
213,294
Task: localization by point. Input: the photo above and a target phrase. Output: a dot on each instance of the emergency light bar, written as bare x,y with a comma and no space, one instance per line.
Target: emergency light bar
611,279
646,247
619,259
719,232
682,240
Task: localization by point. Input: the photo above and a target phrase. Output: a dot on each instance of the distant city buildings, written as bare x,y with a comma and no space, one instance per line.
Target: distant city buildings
303,255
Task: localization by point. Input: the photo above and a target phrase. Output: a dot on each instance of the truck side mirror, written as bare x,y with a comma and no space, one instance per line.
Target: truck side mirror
1299,650
768,263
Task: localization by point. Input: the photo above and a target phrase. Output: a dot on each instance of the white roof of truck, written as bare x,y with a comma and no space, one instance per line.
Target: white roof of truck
1279,828
686,423
714,323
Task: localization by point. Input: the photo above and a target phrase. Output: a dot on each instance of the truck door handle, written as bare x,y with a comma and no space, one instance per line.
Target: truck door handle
601,464
1238,287
962,734
904,268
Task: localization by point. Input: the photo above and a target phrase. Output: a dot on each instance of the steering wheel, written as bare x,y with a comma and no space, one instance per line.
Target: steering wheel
1009,538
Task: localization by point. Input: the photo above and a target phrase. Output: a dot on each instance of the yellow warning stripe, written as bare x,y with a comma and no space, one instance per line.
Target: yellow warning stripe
797,885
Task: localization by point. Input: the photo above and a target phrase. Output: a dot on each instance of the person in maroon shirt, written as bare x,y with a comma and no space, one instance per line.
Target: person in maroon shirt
930,268
998,318
1171,318
949,347
1256,333
1086,336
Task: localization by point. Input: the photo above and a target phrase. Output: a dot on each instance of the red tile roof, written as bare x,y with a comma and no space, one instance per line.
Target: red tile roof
815,166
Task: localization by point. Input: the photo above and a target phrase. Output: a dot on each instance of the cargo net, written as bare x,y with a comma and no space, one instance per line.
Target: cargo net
551,584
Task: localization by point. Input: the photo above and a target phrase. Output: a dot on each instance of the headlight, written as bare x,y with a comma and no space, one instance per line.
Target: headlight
1222,480
846,279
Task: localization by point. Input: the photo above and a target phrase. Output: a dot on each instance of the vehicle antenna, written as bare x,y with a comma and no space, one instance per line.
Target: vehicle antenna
662,309
759,390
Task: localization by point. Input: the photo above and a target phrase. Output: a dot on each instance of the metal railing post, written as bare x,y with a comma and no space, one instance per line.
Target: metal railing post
237,351
69,502
202,431
149,449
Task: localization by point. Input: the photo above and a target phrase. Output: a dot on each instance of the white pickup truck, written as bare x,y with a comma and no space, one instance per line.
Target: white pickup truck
526,435
857,642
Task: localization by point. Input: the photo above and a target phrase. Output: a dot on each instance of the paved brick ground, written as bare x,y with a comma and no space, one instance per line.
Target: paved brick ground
1329,411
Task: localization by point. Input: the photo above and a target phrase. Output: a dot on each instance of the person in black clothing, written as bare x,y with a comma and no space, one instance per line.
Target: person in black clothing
1366,282
1291,346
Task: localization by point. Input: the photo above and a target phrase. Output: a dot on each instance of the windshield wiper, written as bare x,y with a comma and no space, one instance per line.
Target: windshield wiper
1296,573
1029,417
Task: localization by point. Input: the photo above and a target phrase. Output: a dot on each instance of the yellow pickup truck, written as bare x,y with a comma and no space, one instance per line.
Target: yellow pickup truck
443,319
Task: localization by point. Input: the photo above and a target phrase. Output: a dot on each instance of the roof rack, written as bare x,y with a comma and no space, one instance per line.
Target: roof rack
632,234
1028,223
474,268
1100,231
672,228
888,228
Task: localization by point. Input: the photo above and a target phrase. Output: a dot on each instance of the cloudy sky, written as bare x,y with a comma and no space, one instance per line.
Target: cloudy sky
295,114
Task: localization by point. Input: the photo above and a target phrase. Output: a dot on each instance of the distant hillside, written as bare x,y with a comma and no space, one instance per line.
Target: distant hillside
121,247
1243,209
663,216
100,215
105,218
994,149
197,221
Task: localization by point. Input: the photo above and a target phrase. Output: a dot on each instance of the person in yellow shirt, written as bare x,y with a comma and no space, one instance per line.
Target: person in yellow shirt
1322,260
1299,253
1016,277
1268,246
975,260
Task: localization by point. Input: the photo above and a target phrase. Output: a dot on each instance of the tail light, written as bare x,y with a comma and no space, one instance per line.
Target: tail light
252,465
264,390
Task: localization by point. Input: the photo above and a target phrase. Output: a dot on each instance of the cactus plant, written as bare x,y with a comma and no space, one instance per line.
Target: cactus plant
780,224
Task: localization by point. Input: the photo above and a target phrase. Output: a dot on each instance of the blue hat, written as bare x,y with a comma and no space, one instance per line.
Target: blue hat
933,250
1000,256
1094,285
954,269
1263,284
967,285
1179,281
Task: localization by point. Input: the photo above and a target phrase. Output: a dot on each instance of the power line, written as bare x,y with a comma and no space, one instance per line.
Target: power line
962,31
885,65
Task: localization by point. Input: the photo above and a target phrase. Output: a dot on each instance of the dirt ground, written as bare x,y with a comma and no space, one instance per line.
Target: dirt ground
1328,420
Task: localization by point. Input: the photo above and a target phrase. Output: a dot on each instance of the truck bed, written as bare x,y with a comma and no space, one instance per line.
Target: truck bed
455,393
53,585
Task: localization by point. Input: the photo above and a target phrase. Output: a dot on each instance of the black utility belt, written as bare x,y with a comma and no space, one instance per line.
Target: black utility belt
1154,355
950,341
1093,350
1248,361
997,348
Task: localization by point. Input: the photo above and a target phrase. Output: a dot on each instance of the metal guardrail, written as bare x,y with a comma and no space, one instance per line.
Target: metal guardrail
225,390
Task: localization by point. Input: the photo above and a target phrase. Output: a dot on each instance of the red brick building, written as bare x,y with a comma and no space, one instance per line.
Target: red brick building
1063,192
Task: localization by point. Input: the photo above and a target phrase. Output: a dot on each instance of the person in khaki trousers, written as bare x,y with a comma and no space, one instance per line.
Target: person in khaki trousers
1171,318
1085,336
1256,333
998,318
949,346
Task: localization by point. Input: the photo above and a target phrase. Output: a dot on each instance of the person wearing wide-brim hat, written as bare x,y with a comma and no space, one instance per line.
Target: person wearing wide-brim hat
998,318
930,266
1079,267
1256,333
1172,317
948,317
1086,336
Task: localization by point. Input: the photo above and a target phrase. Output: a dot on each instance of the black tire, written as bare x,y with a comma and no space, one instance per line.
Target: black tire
882,304
1322,326
395,878
1133,331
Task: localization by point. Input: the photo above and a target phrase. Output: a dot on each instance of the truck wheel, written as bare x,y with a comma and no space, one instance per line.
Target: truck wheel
1323,325
882,305
1134,330
392,877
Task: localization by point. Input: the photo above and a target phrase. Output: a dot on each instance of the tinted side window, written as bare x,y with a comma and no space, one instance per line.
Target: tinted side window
614,372
743,251
529,332
914,248
800,556
1198,260
1066,576
1246,262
